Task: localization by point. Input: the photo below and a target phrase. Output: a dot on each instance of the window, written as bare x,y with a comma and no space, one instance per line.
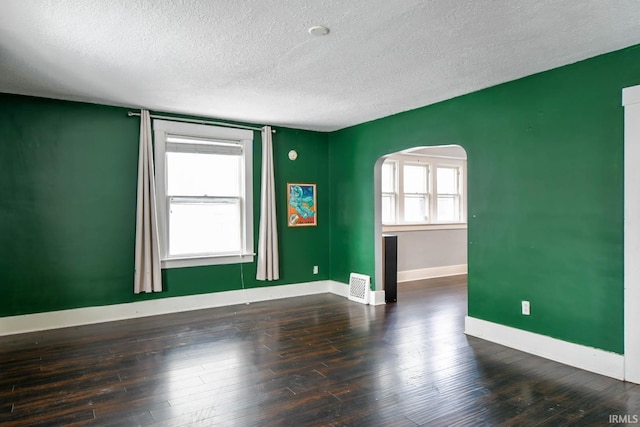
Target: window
416,193
447,194
422,190
204,193
389,192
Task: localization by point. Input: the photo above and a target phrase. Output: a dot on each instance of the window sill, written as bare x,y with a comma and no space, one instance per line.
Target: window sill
206,260
422,227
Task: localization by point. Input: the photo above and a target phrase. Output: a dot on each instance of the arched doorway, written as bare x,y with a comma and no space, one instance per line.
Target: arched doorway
421,196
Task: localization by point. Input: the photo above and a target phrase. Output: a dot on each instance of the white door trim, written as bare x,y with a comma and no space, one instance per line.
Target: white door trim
631,103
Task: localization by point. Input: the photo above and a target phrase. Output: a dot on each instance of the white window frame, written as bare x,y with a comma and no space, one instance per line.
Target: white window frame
163,129
426,196
394,194
457,196
432,164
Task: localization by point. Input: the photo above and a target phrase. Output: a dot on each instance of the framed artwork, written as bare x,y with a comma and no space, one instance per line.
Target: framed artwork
301,205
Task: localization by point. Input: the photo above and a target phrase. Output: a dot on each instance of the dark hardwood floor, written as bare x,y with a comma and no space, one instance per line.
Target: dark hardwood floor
316,360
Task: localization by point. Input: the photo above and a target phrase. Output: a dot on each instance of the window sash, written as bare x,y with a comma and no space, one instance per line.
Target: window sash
197,174
213,238
441,207
389,185
390,216
421,171
423,215
456,180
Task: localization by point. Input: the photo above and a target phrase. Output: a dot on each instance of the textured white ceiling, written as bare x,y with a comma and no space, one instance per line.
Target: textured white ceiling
253,60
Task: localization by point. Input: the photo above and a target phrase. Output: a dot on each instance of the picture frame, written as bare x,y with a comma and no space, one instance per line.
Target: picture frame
302,209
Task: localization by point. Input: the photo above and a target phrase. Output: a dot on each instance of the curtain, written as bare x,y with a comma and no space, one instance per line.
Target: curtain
268,240
147,276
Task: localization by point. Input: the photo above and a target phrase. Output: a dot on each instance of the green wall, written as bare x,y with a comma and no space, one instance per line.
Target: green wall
68,177
545,182
545,195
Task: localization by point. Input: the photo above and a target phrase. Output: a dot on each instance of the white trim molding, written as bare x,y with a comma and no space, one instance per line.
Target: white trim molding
377,298
399,228
430,273
580,356
339,288
109,313
631,103
631,95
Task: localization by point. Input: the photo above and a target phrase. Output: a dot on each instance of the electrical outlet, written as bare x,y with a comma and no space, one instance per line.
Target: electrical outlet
315,269
526,308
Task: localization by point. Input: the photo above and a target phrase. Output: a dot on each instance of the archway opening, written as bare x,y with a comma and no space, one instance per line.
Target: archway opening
421,197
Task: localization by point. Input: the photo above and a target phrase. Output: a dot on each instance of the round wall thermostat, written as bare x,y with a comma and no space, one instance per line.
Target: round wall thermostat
293,155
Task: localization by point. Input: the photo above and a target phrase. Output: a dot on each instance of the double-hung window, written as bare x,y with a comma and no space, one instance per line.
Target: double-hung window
389,192
416,193
204,193
448,193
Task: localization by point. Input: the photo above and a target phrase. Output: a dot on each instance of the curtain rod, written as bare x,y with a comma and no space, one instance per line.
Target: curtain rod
202,122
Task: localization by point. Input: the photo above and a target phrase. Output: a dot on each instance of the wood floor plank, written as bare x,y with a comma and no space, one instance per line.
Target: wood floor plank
319,360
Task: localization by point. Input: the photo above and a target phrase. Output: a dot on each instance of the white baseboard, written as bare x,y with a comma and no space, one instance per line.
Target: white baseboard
580,356
433,272
376,298
339,288
88,315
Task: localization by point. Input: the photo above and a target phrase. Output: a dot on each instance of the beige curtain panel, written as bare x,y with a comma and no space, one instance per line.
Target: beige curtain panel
148,276
268,268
